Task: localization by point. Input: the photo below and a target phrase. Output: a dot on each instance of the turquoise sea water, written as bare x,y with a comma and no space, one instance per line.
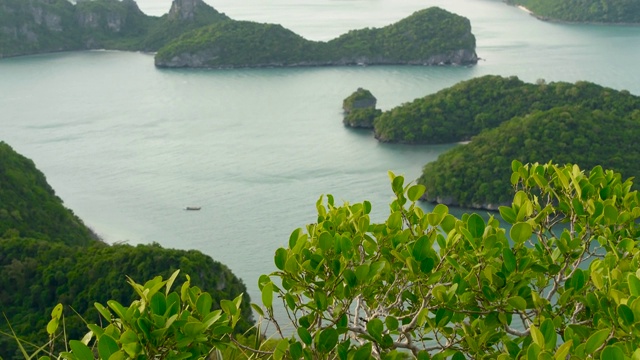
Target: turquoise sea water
128,146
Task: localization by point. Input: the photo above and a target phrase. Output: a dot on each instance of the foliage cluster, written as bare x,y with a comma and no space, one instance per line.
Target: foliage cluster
48,256
469,107
585,11
561,281
416,39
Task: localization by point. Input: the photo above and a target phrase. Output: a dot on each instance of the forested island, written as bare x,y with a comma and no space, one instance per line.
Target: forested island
193,34
505,119
583,11
48,256
428,37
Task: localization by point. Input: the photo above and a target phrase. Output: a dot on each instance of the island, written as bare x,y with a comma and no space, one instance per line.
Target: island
49,256
499,119
194,34
360,109
585,11
431,36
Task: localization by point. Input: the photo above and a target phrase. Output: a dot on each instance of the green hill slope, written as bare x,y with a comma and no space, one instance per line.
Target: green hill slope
465,109
48,256
478,174
589,11
29,207
428,37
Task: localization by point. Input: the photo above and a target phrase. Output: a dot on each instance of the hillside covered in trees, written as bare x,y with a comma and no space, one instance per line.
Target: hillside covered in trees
193,34
584,11
48,256
428,37
457,113
39,26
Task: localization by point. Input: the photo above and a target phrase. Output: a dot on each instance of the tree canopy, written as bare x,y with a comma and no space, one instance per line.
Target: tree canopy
559,281
589,11
430,36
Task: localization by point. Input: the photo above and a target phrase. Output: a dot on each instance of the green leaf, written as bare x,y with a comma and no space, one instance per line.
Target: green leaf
392,323
80,350
361,272
476,225
626,314
170,281
327,340
364,352
612,353
507,214
563,350
634,284
103,311
415,192
421,248
281,349
510,262
375,328
520,232
280,258
52,326
204,303
518,303
107,346
304,335
596,340
537,336
267,295
549,332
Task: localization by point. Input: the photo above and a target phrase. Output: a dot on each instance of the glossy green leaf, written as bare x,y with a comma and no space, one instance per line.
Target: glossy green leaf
375,327
476,225
507,214
563,350
107,346
596,340
280,258
549,332
520,232
327,340
415,192
304,335
634,284
80,350
510,262
537,336
518,303
612,353
267,295
626,314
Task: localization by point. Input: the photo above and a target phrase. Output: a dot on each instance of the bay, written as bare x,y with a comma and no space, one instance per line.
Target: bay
128,146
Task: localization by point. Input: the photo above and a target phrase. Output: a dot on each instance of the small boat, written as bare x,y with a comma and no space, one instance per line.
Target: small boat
193,208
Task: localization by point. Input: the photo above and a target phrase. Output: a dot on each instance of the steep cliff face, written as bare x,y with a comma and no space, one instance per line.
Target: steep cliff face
184,9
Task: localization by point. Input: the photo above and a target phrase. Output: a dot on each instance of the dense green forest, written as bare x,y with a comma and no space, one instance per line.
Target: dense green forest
469,107
590,11
193,34
478,174
48,256
40,26
430,36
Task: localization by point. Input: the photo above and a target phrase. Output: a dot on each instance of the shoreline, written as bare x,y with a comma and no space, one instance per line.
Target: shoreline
559,21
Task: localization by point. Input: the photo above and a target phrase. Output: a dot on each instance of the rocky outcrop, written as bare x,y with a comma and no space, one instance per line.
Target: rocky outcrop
360,109
184,9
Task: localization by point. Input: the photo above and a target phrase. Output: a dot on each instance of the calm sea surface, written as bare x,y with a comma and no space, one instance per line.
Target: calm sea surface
128,146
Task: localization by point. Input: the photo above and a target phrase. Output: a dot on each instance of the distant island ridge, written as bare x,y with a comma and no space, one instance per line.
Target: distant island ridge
194,34
586,11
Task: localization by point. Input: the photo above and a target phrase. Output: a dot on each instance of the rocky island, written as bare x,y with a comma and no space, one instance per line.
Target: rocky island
428,37
194,34
585,11
504,118
360,109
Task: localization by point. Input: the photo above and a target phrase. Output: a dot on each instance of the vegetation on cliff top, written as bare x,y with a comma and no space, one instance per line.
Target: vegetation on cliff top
360,109
588,11
40,26
48,256
428,36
